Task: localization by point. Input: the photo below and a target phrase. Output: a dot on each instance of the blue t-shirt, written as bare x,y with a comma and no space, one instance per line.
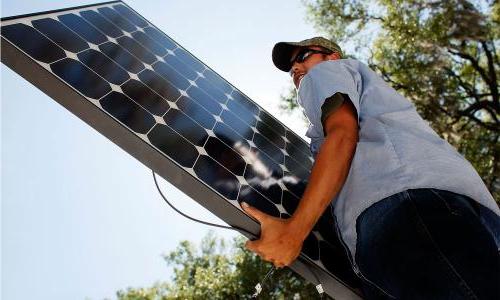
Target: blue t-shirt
397,149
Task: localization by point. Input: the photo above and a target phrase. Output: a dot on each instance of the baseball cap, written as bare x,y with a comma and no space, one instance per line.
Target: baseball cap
282,51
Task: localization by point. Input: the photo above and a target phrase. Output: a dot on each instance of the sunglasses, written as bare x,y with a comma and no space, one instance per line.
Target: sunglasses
305,53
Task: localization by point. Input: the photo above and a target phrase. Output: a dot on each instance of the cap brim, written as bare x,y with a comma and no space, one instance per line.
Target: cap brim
282,55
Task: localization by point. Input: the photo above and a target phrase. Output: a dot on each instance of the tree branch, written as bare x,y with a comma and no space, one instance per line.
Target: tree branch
470,90
491,69
474,63
387,77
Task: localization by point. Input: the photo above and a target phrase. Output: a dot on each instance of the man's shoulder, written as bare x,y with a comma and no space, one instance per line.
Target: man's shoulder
339,63
337,68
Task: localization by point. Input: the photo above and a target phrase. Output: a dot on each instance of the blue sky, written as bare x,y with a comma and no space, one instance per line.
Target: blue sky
80,217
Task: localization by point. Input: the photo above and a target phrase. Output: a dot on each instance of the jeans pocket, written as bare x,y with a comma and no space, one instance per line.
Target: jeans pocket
437,235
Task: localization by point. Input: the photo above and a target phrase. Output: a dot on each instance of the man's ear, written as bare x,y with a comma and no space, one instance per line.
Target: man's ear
334,56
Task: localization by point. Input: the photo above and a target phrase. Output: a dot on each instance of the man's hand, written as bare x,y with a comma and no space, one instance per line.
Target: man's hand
279,242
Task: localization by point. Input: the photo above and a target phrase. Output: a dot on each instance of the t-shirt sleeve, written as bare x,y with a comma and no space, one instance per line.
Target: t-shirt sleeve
330,105
322,83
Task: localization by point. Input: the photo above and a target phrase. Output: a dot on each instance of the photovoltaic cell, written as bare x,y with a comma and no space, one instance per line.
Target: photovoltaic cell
117,19
136,49
296,142
270,134
225,156
170,74
245,114
244,102
265,145
218,81
167,98
237,124
217,177
274,124
185,126
292,185
128,112
212,90
298,156
258,182
101,23
145,97
160,38
204,100
83,28
103,66
189,60
60,34
255,199
150,44
230,137
122,57
33,43
161,86
174,145
290,201
295,168
181,68
81,78
130,15
196,111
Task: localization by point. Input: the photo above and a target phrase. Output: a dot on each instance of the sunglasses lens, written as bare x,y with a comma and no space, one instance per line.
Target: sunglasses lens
305,53
299,57
302,56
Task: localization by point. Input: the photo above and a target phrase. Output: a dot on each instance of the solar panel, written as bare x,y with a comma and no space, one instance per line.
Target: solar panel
142,90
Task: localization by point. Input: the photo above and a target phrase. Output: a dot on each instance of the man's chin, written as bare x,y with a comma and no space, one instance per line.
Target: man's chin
297,83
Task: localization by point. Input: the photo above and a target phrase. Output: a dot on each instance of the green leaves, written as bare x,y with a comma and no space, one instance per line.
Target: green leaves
218,269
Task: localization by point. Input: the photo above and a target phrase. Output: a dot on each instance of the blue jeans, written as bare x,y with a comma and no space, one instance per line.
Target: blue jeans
426,244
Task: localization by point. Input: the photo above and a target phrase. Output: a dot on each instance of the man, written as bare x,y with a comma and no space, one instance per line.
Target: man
416,219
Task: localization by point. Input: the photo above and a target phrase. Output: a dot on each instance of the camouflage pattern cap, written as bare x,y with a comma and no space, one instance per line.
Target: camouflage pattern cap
282,51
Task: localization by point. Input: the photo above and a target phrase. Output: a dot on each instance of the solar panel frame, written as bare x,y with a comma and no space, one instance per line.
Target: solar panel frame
41,75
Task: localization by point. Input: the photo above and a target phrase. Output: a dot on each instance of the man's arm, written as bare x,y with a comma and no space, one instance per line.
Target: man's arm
330,169
281,240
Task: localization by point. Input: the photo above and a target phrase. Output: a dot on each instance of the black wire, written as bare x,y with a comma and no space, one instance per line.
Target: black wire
240,230
269,273
317,279
235,228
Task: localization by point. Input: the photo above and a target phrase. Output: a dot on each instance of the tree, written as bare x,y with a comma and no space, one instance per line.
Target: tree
221,271
441,55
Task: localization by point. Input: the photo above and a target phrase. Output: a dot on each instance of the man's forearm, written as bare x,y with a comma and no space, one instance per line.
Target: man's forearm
328,175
